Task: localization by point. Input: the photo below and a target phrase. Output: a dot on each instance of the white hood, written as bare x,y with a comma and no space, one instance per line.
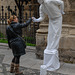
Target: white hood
40,1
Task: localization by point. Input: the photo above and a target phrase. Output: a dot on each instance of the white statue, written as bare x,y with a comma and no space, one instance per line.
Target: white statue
54,9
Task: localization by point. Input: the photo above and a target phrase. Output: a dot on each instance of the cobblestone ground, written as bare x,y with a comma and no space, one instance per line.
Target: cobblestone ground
4,69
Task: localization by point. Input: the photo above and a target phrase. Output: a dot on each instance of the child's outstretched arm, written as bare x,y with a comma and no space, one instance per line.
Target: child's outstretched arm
22,25
27,23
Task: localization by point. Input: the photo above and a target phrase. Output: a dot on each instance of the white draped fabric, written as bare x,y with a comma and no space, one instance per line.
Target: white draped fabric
40,1
54,10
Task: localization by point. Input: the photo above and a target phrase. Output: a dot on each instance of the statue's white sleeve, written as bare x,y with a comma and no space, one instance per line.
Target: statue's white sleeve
61,3
42,15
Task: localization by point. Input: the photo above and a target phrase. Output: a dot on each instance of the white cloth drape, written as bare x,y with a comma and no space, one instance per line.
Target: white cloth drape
54,10
51,59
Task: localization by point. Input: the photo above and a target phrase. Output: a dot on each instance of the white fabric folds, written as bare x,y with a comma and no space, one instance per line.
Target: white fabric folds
51,60
54,9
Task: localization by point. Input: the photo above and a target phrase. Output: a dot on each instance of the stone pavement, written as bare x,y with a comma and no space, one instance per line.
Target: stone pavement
29,64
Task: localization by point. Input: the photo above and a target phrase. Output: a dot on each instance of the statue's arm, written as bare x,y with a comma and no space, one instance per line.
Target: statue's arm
61,3
61,6
42,15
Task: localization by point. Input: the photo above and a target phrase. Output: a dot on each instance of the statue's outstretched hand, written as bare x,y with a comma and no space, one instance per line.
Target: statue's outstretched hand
34,19
62,12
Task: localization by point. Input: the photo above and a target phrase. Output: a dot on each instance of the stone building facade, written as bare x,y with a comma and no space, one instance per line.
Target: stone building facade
6,3
12,4
67,41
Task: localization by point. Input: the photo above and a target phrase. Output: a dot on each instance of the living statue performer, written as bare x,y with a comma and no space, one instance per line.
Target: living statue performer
54,9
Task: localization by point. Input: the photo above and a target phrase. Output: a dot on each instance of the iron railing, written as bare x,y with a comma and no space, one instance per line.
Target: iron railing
28,33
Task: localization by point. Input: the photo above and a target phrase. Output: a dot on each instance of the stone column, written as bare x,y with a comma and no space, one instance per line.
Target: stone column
67,41
41,40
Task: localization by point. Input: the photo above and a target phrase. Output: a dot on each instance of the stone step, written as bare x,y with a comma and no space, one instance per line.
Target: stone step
44,26
66,29
42,31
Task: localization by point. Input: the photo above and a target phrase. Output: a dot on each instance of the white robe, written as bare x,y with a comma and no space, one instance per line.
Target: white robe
54,10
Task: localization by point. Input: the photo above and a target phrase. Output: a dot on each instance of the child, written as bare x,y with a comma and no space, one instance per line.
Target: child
15,41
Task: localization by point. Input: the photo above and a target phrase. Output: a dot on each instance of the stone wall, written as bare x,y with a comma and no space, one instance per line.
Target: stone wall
6,3
69,17
67,44
67,41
